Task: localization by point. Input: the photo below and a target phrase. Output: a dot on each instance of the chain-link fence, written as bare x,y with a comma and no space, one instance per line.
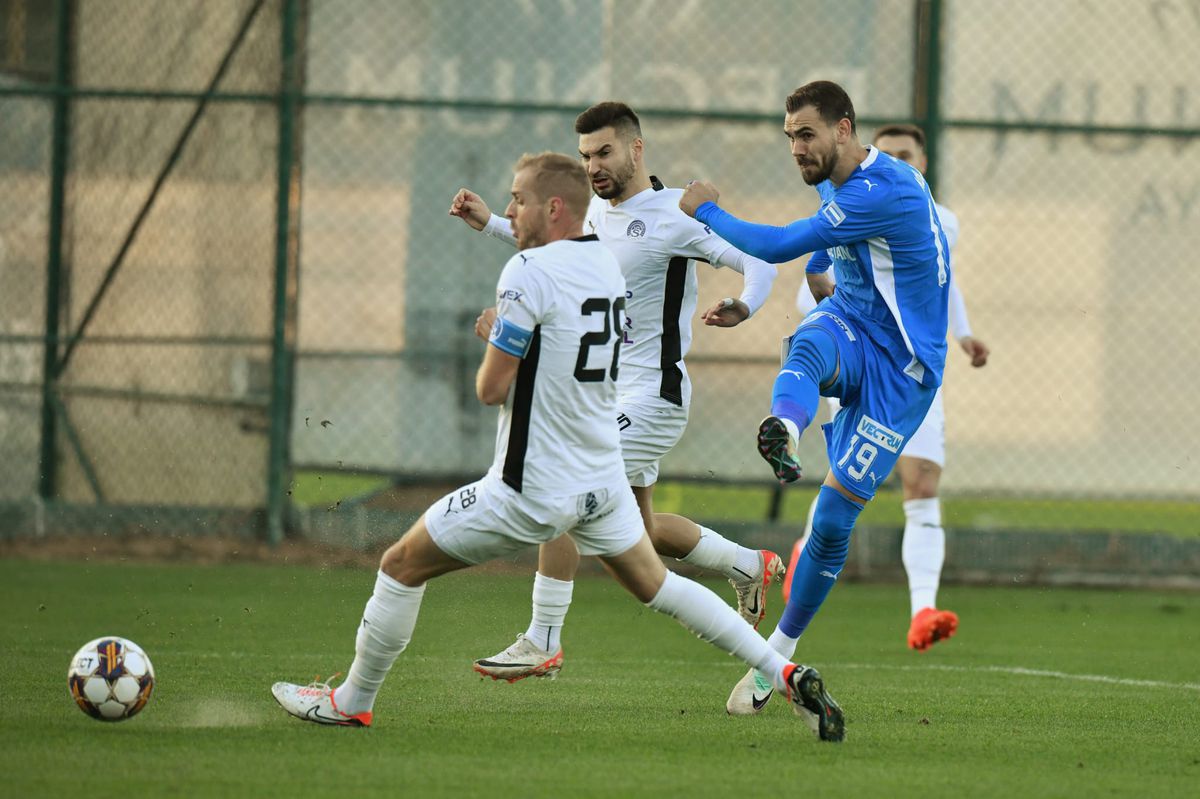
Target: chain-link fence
225,254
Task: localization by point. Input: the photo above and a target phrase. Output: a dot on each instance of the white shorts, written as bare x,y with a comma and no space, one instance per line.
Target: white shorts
487,520
650,428
929,442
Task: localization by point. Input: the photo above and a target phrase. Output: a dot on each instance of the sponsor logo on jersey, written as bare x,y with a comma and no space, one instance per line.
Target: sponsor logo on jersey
881,435
833,213
636,229
870,185
508,294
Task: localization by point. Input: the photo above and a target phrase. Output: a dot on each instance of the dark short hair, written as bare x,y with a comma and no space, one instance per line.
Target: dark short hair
902,129
830,100
609,114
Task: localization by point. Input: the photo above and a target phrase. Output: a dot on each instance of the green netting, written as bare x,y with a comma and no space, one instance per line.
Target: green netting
1066,140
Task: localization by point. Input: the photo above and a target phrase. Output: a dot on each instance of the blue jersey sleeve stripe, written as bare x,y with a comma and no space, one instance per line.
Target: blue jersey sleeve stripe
510,338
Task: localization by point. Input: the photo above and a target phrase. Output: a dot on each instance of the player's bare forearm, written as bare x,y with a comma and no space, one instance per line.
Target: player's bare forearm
820,285
496,375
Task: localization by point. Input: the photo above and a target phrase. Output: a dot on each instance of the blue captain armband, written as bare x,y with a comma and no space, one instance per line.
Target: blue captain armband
510,338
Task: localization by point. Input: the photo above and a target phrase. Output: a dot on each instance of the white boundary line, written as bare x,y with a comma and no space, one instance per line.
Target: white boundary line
1024,672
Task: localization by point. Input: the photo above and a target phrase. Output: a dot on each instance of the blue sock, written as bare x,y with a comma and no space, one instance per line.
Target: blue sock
812,361
821,561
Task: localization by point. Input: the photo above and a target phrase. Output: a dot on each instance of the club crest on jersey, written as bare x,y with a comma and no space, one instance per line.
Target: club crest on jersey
883,436
833,213
636,229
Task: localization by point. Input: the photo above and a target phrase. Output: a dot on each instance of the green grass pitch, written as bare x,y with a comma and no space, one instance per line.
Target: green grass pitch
1110,706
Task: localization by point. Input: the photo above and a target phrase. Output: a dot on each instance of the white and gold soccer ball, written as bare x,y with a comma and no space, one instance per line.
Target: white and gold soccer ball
111,678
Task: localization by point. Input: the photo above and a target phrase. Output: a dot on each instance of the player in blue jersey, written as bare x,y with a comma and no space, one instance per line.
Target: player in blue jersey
878,344
919,468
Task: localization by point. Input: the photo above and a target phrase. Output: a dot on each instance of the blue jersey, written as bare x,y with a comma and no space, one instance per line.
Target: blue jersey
890,254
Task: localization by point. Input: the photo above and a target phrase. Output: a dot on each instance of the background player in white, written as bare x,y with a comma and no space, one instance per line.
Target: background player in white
552,365
924,455
656,245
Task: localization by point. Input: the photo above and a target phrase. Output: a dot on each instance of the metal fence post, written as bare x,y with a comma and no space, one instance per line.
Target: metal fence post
927,83
287,244
48,461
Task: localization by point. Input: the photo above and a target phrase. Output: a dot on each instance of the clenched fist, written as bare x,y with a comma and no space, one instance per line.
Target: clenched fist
696,194
470,208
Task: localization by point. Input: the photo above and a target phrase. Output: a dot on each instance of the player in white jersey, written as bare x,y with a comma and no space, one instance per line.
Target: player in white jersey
552,365
924,454
656,245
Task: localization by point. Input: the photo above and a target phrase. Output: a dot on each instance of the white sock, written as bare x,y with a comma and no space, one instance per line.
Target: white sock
783,643
923,550
718,554
792,428
386,629
551,599
703,612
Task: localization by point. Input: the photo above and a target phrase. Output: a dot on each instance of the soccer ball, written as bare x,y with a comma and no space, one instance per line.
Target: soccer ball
111,678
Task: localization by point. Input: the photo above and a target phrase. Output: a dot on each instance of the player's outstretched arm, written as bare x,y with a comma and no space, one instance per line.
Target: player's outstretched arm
771,243
470,208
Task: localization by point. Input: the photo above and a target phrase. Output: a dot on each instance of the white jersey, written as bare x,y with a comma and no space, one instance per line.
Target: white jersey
656,244
559,308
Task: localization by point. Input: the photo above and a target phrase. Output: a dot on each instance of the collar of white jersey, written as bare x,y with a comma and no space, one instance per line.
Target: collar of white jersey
655,186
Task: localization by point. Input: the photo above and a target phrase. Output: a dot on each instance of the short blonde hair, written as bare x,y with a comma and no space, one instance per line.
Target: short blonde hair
558,175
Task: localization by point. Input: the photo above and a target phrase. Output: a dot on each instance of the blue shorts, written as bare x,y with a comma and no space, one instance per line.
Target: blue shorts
881,406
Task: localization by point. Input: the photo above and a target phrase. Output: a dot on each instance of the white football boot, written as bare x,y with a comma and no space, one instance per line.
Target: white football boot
314,702
523,659
750,695
752,594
